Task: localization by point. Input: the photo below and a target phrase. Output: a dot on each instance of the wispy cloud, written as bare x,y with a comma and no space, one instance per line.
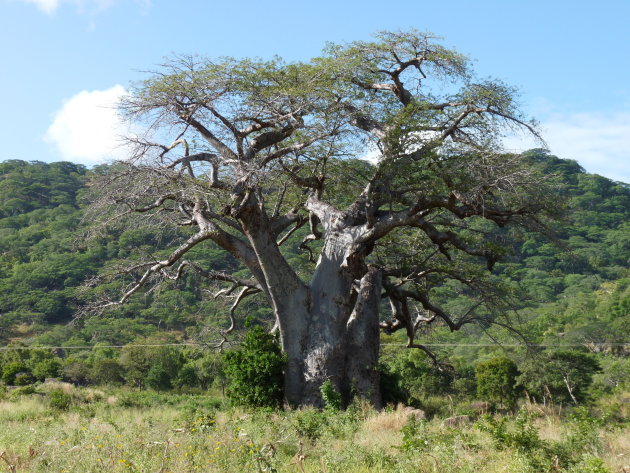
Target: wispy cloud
47,6
88,127
599,141
82,6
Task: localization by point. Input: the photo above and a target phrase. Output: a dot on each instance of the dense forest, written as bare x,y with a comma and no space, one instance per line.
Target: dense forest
569,288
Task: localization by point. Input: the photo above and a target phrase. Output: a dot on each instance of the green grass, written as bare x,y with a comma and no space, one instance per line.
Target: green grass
131,431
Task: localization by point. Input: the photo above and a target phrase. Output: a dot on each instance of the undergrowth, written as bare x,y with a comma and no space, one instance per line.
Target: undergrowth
67,429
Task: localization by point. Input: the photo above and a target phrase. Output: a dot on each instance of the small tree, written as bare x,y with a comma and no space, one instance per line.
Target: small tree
107,371
496,381
135,361
563,376
76,371
164,368
254,370
209,370
187,376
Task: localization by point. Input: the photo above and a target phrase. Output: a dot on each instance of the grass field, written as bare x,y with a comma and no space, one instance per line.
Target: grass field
61,428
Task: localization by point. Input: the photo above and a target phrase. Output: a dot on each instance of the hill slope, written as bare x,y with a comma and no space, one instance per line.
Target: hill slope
577,285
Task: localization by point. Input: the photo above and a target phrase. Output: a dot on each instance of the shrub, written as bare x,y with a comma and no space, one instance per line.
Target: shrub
310,423
158,378
155,367
59,400
331,397
465,383
187,376
496,381
107,371
254,370
23,391
11,371
209,370
614,377
417,437
410,377
50,368
23,379
135,362
76,372
578,451
164,368
523,438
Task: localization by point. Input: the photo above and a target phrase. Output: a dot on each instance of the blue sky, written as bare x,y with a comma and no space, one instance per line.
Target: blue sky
64,62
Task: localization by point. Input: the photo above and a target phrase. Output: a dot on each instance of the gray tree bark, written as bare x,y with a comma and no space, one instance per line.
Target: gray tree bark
330,328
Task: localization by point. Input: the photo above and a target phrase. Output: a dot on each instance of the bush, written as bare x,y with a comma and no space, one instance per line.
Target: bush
107,371
576,452
496,381
209,370
254,370
410,377
135,360
158,378
23,379
23,391
331,397
417,437
614,377
76,372
523,438
50,368
310,423
155,367
465,383
59,400
11,371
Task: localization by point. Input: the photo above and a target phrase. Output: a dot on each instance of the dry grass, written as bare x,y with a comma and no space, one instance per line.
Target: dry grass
387,421
617,444
550,427
100,436
383,428
66,388
25,409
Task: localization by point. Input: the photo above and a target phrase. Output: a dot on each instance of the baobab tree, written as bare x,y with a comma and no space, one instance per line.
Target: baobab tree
384,156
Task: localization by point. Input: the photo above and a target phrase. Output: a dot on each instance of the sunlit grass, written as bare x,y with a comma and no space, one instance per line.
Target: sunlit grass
162,435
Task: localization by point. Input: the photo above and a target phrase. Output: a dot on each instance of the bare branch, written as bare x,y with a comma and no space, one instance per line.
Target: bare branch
216,143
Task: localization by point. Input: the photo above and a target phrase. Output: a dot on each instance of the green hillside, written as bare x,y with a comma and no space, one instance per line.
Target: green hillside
573,281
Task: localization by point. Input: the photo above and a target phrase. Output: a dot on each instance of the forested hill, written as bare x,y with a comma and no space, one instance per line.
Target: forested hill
576,285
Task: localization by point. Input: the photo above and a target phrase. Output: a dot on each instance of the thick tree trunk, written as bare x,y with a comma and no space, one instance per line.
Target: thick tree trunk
342,335
363,340
329,329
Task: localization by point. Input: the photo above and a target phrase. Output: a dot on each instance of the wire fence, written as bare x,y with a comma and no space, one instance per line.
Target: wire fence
401,344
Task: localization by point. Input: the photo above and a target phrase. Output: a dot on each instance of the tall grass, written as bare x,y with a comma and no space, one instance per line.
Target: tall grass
127,431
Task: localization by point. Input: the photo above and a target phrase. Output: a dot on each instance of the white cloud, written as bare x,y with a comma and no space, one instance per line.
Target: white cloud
47,6
88,127
600,142
83,6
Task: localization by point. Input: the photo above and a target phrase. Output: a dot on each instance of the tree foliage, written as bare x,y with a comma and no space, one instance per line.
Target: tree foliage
496,381
254,370
561,376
